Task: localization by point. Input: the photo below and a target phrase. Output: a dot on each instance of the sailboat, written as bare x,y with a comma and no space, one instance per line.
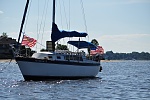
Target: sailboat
58,65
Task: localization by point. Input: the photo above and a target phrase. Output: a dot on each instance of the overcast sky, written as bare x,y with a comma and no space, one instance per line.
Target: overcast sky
118,25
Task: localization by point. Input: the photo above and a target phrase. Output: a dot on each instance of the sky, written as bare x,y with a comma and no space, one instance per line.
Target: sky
121,26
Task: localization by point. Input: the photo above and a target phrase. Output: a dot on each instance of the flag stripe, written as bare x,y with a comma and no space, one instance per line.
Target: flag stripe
27,41
99,50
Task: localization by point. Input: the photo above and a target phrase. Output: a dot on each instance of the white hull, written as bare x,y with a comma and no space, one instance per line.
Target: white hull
38,70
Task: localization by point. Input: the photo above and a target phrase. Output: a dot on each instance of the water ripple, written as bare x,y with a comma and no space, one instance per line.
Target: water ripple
123,80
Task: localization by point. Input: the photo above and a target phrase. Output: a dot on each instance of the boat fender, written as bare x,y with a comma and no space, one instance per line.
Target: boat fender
100,69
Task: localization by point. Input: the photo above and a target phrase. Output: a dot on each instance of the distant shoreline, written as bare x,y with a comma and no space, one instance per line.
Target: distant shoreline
121,60
6,60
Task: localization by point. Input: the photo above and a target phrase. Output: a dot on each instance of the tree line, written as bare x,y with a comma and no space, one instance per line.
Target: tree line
109,55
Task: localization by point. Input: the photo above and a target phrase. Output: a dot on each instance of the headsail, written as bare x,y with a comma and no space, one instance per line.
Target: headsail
57,34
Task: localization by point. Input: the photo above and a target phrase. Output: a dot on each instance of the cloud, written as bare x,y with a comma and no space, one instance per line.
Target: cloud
126,43
1,12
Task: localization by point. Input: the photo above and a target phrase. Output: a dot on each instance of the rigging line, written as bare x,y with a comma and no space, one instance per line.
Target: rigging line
36,41
60,9
44,21
37,22
41,44
41,20
6,66
27,16
60,14
82,7
65,14
69,14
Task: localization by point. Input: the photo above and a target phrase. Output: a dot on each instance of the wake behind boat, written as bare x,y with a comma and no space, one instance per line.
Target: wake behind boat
59,64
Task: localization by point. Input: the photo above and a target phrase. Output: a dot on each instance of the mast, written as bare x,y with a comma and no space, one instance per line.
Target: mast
53,11
53,21
23,20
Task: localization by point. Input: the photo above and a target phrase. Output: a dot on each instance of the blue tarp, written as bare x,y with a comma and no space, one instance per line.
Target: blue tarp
83,44
57,34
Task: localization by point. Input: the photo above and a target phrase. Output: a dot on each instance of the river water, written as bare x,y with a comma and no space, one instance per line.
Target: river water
119,80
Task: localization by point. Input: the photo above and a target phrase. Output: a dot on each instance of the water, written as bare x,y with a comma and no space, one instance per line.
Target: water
119,80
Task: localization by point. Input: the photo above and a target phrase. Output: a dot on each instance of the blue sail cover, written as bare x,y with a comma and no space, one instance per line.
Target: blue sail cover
57,34
83,44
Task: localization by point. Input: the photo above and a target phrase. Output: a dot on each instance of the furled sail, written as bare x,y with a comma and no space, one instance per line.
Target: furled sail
82,44
57,34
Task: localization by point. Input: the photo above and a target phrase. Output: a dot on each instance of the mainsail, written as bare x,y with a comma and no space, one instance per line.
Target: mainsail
57,34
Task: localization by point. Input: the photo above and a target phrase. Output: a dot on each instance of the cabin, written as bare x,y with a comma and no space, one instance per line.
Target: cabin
62,55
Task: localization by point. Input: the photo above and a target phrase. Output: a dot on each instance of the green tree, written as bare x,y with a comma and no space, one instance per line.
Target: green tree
95,42
4,34
61,47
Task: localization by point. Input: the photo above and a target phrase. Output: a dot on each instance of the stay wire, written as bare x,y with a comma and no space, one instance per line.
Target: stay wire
65,14
41,21
6,66
60,14
37,22
82,7
27,16
44,22
69,15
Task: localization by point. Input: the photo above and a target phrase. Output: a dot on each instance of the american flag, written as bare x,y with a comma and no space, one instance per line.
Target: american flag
99,50
27,41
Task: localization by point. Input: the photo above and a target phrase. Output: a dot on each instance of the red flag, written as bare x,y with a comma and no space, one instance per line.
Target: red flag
99,50
27,41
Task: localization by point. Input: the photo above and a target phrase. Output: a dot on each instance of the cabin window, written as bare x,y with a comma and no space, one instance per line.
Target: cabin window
50,57
45,58
58,57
